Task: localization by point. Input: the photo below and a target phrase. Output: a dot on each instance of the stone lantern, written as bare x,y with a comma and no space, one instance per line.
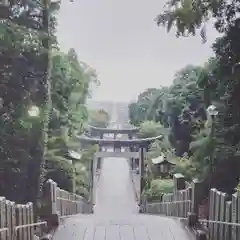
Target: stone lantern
162,165
74,157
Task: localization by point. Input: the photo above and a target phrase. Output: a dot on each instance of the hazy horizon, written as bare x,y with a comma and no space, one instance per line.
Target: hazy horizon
122,42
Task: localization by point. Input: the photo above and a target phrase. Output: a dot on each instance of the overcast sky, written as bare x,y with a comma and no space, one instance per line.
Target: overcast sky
120,39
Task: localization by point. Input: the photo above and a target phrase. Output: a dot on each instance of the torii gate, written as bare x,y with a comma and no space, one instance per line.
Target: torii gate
99,132
140,144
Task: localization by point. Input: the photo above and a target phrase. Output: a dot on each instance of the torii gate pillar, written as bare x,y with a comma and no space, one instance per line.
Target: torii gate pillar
142,155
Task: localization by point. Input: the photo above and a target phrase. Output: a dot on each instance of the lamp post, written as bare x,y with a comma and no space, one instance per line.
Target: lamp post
33,111
212,112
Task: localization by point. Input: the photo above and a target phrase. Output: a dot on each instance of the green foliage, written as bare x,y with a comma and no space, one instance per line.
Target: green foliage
188,16
178,113
217,82
150,129
34,73
24,55
141,110
158,187
185,166
99,118
180,108
70,86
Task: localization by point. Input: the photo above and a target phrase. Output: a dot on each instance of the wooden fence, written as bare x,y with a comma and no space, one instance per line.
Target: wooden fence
65,203
222,221
17,221
174,204
177,203
224,216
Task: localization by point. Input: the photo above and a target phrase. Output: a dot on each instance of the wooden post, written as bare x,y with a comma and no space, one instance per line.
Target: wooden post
235,215
51,196
91,173
74,177
179,182
31,220
222,217
8,218
217,206
228,229
142,153
195,200
3,235
13,217
131,159
19,221
51,214
212,202
196,195
95,179
130,136
99,160
24,208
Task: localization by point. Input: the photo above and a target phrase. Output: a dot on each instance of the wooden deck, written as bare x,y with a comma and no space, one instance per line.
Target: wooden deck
131,227
116,214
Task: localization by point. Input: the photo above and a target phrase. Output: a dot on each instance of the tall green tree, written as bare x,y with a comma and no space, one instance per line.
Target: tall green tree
24,83
99,118
222,81
179,107
70,88
35,75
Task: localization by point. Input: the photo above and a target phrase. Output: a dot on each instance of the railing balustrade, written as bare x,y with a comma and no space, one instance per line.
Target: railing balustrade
17,220
219,217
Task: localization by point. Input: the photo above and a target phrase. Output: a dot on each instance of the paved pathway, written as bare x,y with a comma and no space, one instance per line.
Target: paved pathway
115,194
116,213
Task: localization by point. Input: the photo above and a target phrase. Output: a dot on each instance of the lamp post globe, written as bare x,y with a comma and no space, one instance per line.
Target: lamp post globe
212,110
33,111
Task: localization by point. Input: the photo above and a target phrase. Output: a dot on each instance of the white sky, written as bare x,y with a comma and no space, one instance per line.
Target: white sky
120,39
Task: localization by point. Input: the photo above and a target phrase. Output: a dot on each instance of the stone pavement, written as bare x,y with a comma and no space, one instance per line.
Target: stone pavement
116,213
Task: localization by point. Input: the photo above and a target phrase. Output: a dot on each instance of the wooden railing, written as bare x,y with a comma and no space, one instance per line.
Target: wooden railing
17,221
65,203
174,204
217,219
224,216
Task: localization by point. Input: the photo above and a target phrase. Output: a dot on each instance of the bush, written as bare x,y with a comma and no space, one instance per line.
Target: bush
99,118
190,168
150,129
60,169
185,167
158,187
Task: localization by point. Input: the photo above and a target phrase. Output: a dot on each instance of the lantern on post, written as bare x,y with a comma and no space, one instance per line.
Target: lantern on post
162,165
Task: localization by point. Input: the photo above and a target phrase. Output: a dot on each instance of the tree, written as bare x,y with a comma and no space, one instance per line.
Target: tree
221,83
35,74
179,107
141,111
188,16
99,118
24,83
70,87
150,129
